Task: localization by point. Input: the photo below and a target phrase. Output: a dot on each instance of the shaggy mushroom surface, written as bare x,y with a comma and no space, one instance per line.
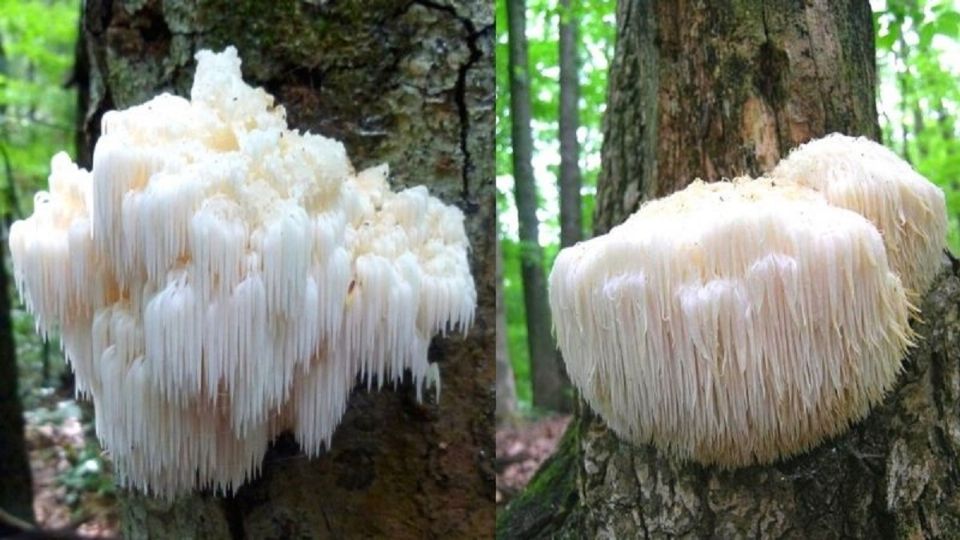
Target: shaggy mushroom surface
740,322
218,278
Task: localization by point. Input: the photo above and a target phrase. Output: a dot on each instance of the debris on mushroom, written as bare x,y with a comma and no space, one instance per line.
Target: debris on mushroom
738,322
218,278
868,178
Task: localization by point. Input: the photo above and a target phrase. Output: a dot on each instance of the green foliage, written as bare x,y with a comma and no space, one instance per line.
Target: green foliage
516,316
72,449
917,44
40,367
88,473
37,108
597,28
37,119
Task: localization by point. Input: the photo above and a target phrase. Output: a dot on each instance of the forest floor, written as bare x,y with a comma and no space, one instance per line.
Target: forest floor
521,448
71,492
67,469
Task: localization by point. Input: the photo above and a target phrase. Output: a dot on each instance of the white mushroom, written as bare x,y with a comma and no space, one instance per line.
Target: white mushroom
219,278
864,176
732,323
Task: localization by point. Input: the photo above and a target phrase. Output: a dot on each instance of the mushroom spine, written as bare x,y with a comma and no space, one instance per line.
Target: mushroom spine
218,278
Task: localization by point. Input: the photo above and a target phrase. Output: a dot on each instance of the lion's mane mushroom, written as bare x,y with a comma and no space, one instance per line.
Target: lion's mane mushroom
218,278
732,323
868,178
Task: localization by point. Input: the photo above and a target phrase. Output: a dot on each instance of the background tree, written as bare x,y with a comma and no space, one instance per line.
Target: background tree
547,376
917,44
571,227
34,55
594,48
16,491
717,90
410,84
506,388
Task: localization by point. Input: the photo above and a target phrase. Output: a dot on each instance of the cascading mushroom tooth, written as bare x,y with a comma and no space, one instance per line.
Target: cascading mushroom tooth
214,286
733,323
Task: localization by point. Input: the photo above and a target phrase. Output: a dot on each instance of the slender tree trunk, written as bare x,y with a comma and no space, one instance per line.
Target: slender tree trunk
407,83
903,79
506,387
571,219
716,90
547,375
16,486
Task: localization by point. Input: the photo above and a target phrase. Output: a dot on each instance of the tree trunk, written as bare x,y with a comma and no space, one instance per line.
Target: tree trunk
506,387
721,89
407,83
547,374
571,219
717,90
16,487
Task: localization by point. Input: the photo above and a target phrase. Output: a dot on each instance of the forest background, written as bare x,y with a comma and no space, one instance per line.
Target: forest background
918,60
918,68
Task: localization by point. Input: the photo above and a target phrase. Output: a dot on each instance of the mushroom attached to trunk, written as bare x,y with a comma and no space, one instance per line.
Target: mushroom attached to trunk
219,278
732,323
868,178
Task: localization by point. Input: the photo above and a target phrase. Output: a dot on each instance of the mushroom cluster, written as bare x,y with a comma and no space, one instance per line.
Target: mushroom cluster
218,278
740,322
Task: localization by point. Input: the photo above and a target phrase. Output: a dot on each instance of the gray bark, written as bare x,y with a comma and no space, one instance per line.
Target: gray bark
407,83
571,219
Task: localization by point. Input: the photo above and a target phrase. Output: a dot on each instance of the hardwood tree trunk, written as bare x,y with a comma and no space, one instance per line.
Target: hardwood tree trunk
16,486
546,370
719,89
571,219
506,386
409,83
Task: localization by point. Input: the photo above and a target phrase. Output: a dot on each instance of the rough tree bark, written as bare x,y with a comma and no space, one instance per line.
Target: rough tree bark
571,220
404,82
718,89
546,371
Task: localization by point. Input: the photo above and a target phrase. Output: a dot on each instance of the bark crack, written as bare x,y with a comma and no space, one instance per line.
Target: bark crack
460,89
768,48
462,107
326,518
640,507
234,517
